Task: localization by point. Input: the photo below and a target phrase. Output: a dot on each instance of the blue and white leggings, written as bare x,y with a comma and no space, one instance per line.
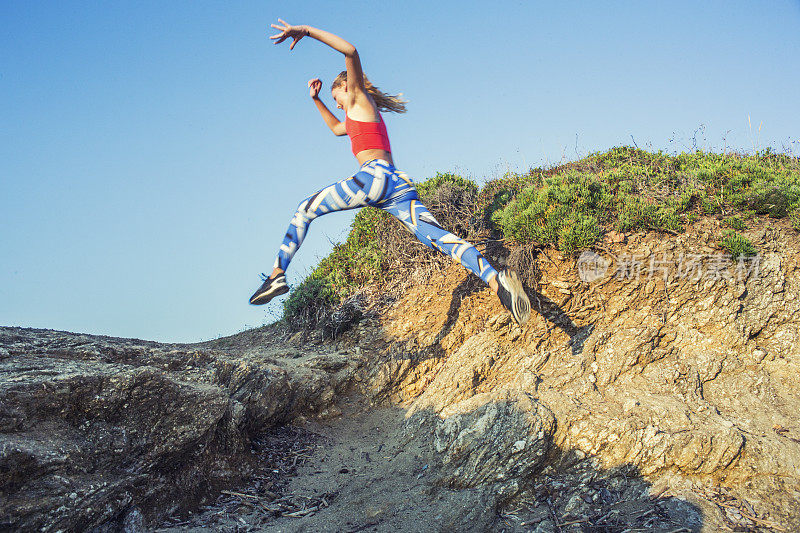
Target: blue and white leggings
380,184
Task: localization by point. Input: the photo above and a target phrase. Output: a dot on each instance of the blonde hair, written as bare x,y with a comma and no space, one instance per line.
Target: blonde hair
385,102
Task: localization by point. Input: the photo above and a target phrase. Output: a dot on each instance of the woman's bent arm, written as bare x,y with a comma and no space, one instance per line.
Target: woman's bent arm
330,119
336,125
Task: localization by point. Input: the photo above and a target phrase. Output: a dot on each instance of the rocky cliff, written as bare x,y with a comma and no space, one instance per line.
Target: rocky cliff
661,396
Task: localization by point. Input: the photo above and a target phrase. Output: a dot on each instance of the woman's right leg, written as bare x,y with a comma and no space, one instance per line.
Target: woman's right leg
366,187
342,195
339,196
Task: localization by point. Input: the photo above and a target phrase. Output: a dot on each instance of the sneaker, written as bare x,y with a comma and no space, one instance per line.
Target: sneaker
513,296
271,288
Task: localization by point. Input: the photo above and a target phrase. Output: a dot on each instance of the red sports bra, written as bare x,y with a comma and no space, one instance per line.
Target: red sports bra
367,135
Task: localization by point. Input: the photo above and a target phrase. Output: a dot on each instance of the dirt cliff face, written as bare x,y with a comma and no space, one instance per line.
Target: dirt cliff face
690,379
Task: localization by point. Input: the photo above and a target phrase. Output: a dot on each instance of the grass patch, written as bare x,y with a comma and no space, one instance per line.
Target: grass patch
735,222
794,218
736,244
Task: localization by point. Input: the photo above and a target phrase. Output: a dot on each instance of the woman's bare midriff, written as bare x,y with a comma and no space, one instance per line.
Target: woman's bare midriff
374,153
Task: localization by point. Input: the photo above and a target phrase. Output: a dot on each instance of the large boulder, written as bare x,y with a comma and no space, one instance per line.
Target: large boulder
499,438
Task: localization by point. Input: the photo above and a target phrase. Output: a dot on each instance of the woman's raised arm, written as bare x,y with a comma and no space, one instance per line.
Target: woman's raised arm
355,74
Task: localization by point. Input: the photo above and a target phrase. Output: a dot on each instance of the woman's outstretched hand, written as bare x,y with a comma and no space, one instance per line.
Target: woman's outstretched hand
314,87
287,30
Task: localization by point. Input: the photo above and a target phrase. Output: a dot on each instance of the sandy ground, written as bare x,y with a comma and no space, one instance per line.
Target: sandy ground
356,472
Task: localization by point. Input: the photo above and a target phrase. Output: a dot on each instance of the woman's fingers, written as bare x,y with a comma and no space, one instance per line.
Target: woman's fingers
286,32
283,29
281,35
314,87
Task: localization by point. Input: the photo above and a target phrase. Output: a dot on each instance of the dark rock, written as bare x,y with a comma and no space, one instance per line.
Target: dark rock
97,432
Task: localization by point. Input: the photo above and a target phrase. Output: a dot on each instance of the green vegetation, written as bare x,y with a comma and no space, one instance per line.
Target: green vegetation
444,179
628,189
569,207
359,260
351,264
562,210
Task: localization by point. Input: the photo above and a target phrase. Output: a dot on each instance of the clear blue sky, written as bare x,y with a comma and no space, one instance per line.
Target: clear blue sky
152,153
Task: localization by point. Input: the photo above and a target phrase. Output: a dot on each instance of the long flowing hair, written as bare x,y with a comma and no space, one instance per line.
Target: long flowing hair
385,102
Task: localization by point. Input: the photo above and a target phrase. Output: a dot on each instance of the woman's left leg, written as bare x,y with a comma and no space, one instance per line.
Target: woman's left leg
403,202
419,221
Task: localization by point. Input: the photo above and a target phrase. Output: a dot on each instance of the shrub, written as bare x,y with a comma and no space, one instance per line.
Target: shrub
635,213
578,232
452,200
563,211
309,303
766,198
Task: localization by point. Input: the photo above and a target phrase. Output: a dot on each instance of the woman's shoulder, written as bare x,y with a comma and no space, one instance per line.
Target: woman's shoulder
365,111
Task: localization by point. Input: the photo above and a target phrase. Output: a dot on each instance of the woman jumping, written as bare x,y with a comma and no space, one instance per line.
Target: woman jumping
377,183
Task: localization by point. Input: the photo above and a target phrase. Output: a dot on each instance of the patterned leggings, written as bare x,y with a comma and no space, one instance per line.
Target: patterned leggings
380,184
